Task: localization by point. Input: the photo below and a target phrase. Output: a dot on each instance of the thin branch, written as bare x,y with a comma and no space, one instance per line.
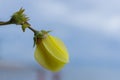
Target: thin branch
8,22
4,23
32,29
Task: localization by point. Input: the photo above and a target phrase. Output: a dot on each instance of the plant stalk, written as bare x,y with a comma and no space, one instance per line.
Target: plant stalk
8,23
4,23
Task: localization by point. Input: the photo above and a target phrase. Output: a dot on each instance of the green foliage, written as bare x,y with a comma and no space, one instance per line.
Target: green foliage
40,35
24,26
19,18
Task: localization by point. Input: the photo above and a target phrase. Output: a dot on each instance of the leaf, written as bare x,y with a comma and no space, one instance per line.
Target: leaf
24,26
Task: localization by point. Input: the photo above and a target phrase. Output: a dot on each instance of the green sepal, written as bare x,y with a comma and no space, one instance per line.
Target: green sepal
45,32
19,17
39,35
35,40
24,26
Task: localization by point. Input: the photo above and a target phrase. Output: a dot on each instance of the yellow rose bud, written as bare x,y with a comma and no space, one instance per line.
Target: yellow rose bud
51,53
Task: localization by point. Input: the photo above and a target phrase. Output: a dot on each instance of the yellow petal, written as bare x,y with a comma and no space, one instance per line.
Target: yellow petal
56,48
46,60
51,53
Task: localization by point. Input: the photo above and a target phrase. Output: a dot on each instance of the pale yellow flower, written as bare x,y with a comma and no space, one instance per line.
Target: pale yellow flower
51,53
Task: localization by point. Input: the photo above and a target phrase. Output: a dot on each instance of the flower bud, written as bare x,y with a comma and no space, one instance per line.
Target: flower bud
51,53
19,18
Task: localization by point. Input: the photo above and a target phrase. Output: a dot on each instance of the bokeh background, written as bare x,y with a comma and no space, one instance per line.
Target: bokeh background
89,28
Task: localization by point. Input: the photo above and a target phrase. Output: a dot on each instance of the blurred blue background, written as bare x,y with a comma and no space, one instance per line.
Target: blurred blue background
89,28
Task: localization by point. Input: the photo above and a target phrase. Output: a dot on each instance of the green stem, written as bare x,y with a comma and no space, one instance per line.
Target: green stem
8,22
32,29
35,31
4,23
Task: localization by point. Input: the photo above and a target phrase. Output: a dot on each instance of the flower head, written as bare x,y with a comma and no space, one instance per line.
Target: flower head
19,18
50,52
